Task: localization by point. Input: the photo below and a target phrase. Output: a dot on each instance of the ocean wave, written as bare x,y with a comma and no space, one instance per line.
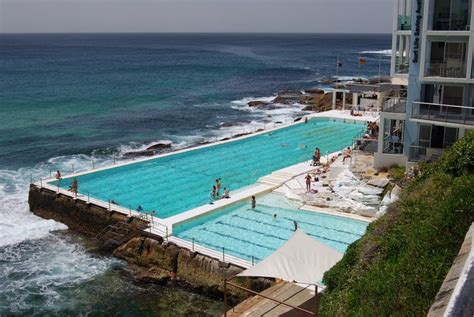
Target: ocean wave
39,269
381,52
350,78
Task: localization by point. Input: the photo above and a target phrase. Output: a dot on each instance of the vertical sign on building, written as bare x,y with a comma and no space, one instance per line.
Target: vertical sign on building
416,35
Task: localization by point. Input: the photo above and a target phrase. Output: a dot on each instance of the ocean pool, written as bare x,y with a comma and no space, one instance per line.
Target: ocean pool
176,183
253,234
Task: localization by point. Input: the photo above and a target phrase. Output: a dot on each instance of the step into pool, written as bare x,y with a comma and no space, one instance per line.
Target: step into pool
176,183
253,234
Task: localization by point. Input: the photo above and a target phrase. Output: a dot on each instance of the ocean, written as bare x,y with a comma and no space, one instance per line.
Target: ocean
69,99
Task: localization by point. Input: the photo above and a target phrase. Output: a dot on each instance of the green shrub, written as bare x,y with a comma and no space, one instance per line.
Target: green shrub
398,266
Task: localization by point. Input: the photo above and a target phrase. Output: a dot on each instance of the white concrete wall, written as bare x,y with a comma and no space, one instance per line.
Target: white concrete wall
386,160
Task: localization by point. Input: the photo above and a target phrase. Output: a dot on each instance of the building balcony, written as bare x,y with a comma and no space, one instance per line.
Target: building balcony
401,65
394,105
443,113
417,153
450,70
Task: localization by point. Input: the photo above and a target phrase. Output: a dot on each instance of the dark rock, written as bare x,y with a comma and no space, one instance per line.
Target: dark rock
314,91
139,153
160,145
257,103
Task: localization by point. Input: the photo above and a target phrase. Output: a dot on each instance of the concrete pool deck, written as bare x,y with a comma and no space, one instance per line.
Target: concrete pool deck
266,184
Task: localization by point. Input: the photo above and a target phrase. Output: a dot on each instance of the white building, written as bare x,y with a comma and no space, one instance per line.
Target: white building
439,105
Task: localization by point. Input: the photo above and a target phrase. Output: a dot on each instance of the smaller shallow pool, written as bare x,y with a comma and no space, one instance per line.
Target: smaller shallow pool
245,232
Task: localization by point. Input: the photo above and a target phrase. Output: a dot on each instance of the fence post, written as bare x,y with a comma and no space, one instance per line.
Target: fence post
223,254
93,164
88,198
41,183
130,210
193,242
253,261
72,168
110,208
50,174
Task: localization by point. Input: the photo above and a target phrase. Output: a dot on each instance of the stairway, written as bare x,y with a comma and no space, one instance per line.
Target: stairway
276,179
117,234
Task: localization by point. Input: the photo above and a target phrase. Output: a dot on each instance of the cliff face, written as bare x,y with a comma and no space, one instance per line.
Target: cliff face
163,261
79,216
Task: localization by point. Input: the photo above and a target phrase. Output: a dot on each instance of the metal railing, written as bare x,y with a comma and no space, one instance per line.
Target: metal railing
443,113
394,105
451,70
279,302
453,23
391,147
418,153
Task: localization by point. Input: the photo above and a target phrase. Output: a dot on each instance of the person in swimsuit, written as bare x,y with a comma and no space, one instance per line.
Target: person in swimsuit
254,202
74,186
226,193
218,186
58,175
308,179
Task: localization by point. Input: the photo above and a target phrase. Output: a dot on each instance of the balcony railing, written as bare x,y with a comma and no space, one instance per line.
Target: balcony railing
392,147
394,105
443,113
417,153
451,23
451,69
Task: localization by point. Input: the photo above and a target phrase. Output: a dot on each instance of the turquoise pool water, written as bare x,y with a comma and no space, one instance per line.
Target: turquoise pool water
176,183
245,232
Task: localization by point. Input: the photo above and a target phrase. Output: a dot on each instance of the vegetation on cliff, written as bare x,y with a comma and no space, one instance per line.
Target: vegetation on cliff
398,266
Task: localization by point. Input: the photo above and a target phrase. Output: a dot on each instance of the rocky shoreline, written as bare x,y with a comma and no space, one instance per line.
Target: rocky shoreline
150,257
314,99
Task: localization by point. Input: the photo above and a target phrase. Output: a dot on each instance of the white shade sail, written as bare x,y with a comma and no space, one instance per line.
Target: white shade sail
301,259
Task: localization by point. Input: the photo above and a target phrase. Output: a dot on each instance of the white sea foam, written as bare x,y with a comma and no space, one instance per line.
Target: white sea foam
380,52
33,272
246,100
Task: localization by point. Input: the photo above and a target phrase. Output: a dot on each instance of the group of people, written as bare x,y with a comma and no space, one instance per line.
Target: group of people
215,192
372,130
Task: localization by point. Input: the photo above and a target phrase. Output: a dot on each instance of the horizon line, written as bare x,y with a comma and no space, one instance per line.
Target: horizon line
195,32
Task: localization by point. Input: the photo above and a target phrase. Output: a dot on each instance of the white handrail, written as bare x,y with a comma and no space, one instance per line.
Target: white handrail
441,105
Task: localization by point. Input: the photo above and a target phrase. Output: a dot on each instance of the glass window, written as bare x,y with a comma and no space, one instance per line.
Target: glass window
424,138
450,136
451,15
447,59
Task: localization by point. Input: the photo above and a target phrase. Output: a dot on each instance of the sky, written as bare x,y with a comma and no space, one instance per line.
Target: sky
273,16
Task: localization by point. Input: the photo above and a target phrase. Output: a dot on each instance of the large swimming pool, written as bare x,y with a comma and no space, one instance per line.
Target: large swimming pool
176,183
245,232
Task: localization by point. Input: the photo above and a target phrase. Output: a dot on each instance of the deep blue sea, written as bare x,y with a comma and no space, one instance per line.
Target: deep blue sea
68,99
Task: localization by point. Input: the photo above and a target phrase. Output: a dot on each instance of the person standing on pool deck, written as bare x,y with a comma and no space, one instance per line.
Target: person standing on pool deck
254,202
58,174
74,186
308,183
